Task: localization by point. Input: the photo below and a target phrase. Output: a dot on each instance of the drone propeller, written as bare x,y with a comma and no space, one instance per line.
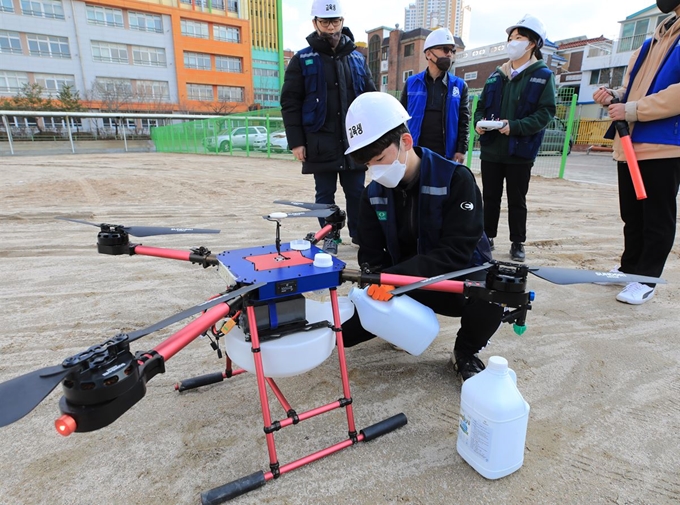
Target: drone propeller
143,231
562,276
22,394
305,205
277,216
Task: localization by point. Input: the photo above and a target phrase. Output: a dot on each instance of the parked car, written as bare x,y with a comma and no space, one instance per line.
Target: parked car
553,140
277,142
237,139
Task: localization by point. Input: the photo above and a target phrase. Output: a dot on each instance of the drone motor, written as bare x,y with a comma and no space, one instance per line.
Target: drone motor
113,240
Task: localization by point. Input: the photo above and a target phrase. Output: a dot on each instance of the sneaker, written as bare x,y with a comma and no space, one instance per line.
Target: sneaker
330,246
636,294
614,270
517,252
466,365
491,246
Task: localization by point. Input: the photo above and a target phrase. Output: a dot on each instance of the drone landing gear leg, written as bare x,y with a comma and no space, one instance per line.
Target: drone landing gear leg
258,479
207,379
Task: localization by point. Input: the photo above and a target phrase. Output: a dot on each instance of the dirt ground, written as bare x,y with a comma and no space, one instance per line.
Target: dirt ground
602,378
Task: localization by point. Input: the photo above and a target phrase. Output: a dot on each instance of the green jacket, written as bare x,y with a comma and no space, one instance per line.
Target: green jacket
497,150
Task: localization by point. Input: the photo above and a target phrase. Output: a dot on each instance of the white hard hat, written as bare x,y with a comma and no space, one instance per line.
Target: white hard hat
439,37
370,116
326,9
532,23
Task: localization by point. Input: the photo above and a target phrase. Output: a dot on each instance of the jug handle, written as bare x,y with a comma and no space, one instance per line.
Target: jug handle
513,375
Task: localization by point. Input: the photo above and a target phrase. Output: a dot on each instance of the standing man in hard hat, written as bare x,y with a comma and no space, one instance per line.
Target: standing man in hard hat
521,94
650,102
421,215
320,83
437,101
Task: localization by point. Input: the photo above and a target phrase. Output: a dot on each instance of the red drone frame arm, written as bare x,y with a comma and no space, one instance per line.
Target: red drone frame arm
403,280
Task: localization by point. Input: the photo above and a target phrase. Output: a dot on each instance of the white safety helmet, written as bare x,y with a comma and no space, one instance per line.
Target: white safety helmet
532,23
439,37
370,116
326,9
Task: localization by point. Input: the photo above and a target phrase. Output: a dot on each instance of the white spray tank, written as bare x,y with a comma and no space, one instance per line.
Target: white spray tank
401,321
493,421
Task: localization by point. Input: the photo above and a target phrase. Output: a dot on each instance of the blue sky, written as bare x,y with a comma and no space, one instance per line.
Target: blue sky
489,17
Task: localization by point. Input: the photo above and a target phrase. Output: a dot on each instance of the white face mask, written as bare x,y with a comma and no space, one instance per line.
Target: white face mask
389,175
516,49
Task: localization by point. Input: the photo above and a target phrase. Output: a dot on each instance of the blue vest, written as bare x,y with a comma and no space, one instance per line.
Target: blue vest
314,105
435,183
417,102
522,146
661,131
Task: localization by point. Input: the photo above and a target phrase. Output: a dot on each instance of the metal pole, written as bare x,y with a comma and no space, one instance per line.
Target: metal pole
9,134
124,126
471,138
70,137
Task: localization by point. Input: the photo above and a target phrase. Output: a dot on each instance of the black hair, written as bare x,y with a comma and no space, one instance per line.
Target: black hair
367,153
533,37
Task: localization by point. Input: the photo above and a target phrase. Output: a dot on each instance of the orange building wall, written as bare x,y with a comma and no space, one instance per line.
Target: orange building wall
182,11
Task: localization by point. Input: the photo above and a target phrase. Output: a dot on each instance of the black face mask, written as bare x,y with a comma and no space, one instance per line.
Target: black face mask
332,38
667,6
443,63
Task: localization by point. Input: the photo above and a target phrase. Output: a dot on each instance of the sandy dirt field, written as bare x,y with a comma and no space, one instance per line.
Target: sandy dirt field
602,378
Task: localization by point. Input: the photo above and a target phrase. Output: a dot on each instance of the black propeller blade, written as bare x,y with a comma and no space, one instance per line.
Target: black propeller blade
437,278
305,205
193,310
562,276
21,395
143,231
577,276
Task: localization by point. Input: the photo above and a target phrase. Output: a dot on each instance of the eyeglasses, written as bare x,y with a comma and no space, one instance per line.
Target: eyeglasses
328,22
446,49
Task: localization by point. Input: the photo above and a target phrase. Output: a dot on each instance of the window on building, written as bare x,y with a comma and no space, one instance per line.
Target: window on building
145,22
43,8
12,82
385,53
374,55
230,94
148,56
470,76
48,46
265,72
617,77
227,33
601,76
149,123
104,16
194,29
228,64
10,42
197,61
149,91
406,75
232,5
633,35
109,52
54,83
409,49
266,95
203,92
113,90
6,6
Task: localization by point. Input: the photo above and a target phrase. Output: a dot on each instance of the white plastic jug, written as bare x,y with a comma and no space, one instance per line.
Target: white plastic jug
401,321
492,427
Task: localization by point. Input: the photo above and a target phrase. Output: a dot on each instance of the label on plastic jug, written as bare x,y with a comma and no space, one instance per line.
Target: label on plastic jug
475,434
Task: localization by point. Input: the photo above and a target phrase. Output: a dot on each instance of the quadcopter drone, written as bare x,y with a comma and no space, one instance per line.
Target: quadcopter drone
266,322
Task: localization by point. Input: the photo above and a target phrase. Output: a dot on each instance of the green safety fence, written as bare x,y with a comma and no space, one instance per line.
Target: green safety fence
261,133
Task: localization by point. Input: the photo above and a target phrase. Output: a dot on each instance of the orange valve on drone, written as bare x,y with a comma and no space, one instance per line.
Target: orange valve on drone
65,425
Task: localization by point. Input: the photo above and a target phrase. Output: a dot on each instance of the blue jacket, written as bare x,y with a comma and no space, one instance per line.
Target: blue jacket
661,131
416,88
448,203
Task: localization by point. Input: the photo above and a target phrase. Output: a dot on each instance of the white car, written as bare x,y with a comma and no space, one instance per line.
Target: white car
277,142
238,138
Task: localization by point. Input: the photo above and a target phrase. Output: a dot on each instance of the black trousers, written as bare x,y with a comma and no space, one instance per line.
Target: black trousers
479,320
517,177
352,182
649,224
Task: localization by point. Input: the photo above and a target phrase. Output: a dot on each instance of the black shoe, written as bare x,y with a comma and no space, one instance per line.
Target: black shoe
330,246
491,244
467,365
355,241
517,252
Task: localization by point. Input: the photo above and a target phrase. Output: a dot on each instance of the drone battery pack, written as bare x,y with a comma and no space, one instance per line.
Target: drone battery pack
274,315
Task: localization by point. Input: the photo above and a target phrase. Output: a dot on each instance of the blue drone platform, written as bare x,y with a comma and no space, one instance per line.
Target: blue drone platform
289,273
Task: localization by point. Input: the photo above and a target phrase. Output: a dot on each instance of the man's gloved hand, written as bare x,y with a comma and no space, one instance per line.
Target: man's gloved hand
380,292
